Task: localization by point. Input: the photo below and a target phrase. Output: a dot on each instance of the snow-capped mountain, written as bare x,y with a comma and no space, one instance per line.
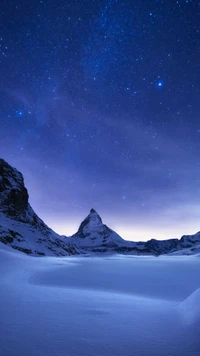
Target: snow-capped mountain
94,236
20,227
23,230
187,245
92,232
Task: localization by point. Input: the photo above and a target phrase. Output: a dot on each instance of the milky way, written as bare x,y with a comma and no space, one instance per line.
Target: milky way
100,105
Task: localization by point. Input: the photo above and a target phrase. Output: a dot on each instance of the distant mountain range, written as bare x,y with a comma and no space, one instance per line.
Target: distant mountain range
23,230
94,236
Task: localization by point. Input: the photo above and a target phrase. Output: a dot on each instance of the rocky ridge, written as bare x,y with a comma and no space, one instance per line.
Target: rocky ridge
94,236
23,230
20,227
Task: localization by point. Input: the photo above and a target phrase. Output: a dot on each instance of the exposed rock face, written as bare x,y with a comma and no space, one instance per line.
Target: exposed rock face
188,244
162,247
23,230
94,236
93,229
13,194
92,224
20,227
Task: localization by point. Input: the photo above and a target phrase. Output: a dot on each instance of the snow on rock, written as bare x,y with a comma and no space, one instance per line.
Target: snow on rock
93,231
23,230
20,227
94,236
190,308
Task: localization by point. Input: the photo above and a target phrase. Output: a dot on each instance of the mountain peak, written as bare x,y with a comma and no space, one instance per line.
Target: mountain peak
92,211
95,236
92,223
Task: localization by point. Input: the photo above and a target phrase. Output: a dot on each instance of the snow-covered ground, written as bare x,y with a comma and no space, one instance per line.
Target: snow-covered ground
99,306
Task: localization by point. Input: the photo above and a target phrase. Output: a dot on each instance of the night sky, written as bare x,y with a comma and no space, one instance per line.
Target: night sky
100,107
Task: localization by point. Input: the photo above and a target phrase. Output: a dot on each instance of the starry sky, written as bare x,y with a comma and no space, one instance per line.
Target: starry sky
100,107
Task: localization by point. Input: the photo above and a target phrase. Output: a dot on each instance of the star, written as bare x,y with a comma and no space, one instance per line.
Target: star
20,113
106,97
160,84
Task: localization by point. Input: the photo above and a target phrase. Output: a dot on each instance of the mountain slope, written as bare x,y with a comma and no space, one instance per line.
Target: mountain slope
20,227
94,236
93,232
23,230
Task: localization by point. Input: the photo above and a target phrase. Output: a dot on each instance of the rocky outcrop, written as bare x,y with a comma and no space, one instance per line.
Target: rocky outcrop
13,194
23,230
20,227
93,229
94,236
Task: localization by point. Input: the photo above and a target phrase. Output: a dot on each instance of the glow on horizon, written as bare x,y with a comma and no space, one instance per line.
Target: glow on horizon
131,233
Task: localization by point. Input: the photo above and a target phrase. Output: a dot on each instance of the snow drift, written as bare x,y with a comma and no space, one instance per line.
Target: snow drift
190,308
86,306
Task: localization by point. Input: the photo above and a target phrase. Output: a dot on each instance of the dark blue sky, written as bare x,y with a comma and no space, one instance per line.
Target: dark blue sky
100,107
